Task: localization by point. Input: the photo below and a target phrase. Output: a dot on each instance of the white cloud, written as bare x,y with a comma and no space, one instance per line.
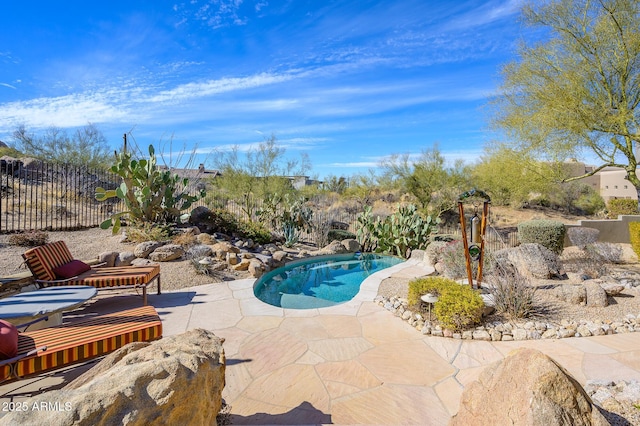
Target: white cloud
65,111
485,14
212,87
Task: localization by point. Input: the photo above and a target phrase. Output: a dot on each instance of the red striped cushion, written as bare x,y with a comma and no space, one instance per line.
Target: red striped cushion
43,259
83,340
116,276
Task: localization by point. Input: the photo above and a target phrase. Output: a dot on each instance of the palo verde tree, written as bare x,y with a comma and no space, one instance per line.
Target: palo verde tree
86,146
576,89
261,174
430,178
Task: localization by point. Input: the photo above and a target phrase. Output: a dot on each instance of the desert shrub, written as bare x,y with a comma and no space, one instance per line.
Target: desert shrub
513,296
253,230
321,227
454,262
589,202
620,206
340,234
634,234
458,306
223,221
195,255
199,251
148,232
434,250
605,252
548,233
582,237
421,286
585,264
29,239
184,239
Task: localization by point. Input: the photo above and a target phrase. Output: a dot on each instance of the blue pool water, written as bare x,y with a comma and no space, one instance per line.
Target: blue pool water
319,282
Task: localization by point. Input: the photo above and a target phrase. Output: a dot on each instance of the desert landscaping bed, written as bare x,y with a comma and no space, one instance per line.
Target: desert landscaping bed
621,315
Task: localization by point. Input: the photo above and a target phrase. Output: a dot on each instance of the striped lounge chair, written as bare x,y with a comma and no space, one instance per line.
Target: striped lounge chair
43,260
51,348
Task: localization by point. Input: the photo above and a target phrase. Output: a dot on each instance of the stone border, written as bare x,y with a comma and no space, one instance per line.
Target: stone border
530,330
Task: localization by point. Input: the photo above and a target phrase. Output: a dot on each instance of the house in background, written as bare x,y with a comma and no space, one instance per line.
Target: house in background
610,182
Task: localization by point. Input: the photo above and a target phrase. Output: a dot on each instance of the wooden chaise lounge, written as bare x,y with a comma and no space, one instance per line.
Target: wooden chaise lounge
56,347
53,265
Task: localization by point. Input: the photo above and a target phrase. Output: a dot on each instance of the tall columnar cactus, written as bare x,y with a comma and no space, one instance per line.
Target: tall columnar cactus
150,195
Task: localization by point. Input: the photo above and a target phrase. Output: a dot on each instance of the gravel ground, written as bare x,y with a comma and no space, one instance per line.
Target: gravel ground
551,309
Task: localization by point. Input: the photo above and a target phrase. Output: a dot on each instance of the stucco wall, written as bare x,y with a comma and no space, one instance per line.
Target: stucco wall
611,230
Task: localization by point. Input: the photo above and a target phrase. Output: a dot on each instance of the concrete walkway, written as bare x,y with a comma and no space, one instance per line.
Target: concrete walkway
353,363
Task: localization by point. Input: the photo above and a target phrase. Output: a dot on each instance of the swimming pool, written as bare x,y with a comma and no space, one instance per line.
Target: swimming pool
319,282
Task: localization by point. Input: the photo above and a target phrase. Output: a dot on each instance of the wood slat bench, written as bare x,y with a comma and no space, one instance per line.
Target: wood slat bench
56,347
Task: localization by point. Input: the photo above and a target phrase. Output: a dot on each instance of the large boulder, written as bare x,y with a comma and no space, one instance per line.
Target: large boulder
575,294
143,250
177,380
125,258
526,388
596,295
334,247
108,258
351,245
256,268
201,217
167,253
530,259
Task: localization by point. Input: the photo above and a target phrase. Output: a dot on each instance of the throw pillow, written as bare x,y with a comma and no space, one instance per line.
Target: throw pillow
71,269
8,340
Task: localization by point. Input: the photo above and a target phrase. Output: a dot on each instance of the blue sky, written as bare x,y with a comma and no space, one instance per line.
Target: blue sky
347,82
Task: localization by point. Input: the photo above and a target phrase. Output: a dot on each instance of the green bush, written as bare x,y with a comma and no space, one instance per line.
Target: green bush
620,206
548,233
421,286
340,234
458,306
255,231
634,234
590,202
29,239
217,220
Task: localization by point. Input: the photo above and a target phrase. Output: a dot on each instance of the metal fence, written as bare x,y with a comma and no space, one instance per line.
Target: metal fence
40,196
495,239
